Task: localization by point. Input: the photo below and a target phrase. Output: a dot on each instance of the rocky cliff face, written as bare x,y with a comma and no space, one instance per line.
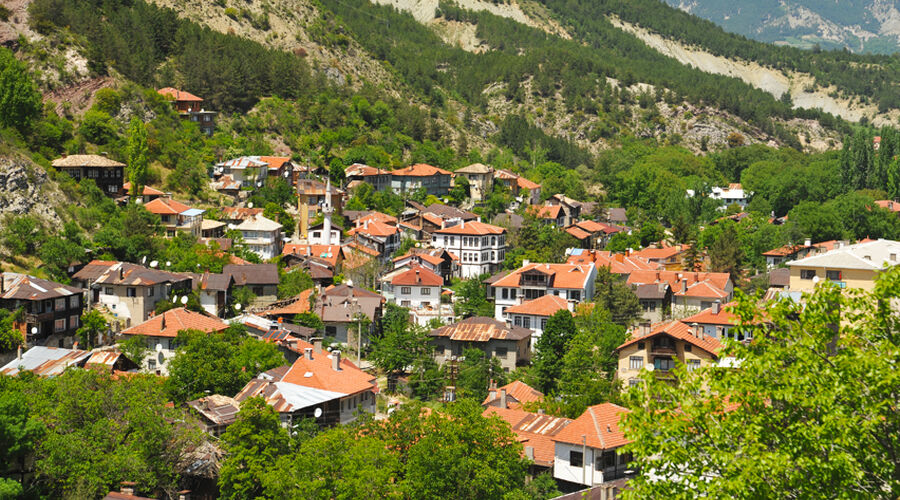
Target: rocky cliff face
25,188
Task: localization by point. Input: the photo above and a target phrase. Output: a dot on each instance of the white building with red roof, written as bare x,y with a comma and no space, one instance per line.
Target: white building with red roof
588,450
533,314
716,322
518,184
382,237
414,287
320,385
690,292
617,263
176,216
161,330
573,283
512,395
481,247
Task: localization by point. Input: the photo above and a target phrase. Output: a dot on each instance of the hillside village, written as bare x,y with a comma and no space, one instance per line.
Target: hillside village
229,273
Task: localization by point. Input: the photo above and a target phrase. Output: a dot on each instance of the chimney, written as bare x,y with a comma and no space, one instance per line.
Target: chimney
683,285
503,398
336,360
19,352
525,262
121,273
462,224
807,242
717,307
418,279
529,453
75,345
307,353
645,328
184,495
127,488
696,330
628,251
163,325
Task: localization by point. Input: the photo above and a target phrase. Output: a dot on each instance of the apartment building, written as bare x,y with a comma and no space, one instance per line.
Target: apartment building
572,283
481,247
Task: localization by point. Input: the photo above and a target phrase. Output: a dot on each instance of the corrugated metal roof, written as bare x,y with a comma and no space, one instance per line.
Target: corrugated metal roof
481,329
45,361
24,287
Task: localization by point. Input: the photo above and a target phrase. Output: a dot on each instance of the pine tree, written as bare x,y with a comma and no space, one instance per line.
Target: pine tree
137,157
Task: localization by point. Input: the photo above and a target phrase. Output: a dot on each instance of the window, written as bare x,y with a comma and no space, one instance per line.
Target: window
663,364
505,293
59,325
426,290
526,322
108,290
693,364
663,342
75,301
404,303
543,324
73,321
501,352
807,274
439,349
576,459
258,290
575,295
518,321
112,188
633,382
833,275
405,290
150,292
640,346
60,304
131,292
687,347
636,362
606,460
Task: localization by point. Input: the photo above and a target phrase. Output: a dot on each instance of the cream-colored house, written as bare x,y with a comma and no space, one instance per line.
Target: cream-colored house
850,266
481,180
660,346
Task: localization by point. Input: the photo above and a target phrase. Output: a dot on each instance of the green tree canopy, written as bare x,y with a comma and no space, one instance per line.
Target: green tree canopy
550,348
252,444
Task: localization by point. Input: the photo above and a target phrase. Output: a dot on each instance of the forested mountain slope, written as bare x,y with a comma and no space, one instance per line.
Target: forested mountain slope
858,25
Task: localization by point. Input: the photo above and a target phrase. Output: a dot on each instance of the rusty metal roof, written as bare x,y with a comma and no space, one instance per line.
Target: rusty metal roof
24,287
218,409
481,329
46,361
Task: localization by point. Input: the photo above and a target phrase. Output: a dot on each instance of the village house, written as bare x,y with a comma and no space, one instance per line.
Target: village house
439,216
190,107
379,236
148,193
329,254
781,255
571,208
46,361
480,178
357,173
734,194
279,167
436,181
318,385
588,451
617,215
129,291
716,322
847,266
512,395
437,260
549,214
343,307
658,347
690,292
52,311
176,216
533,314
519,186
261,236
511,345
107,174
213,290
572,283
314,195
212,229
535,432
414,288
250,171
161,330
670,257
236,215
481,247
592,234
890,205
622,264
261,279
215,412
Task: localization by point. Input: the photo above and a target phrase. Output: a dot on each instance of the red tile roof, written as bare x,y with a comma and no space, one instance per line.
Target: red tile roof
517,393
179,95
358,169
546,211
166,206
599,425
299,306
328,253
617,263
275,162
893,206
707,317
147,191
374,228
698,284
679,330
318,373
661,253
535,430
376,217
473,228
578,233
541,306
420,170
169,323
417,276
572,276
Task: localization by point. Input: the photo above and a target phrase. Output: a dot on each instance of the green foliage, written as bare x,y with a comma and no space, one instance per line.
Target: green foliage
93,324
725,254
550,349
849,216
401,343
137,157
135,348
98,127
537,241
20,101
826,417
219,362
20,431
291,283
252,443
475,373
612,294
10,336
310,320
21,234
471,299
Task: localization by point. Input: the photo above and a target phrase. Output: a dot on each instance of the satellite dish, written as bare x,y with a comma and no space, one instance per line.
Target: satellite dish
815,279
158,347
650,368
154,263
318,412
34,330
168,263
230,226
237,306
349,282
250,205
144,260
184,300
175,299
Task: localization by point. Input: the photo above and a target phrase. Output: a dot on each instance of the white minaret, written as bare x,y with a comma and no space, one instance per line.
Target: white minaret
327,210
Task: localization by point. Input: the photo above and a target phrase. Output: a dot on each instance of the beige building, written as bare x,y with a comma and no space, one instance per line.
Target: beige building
509,344
661,346
481,180
848,266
